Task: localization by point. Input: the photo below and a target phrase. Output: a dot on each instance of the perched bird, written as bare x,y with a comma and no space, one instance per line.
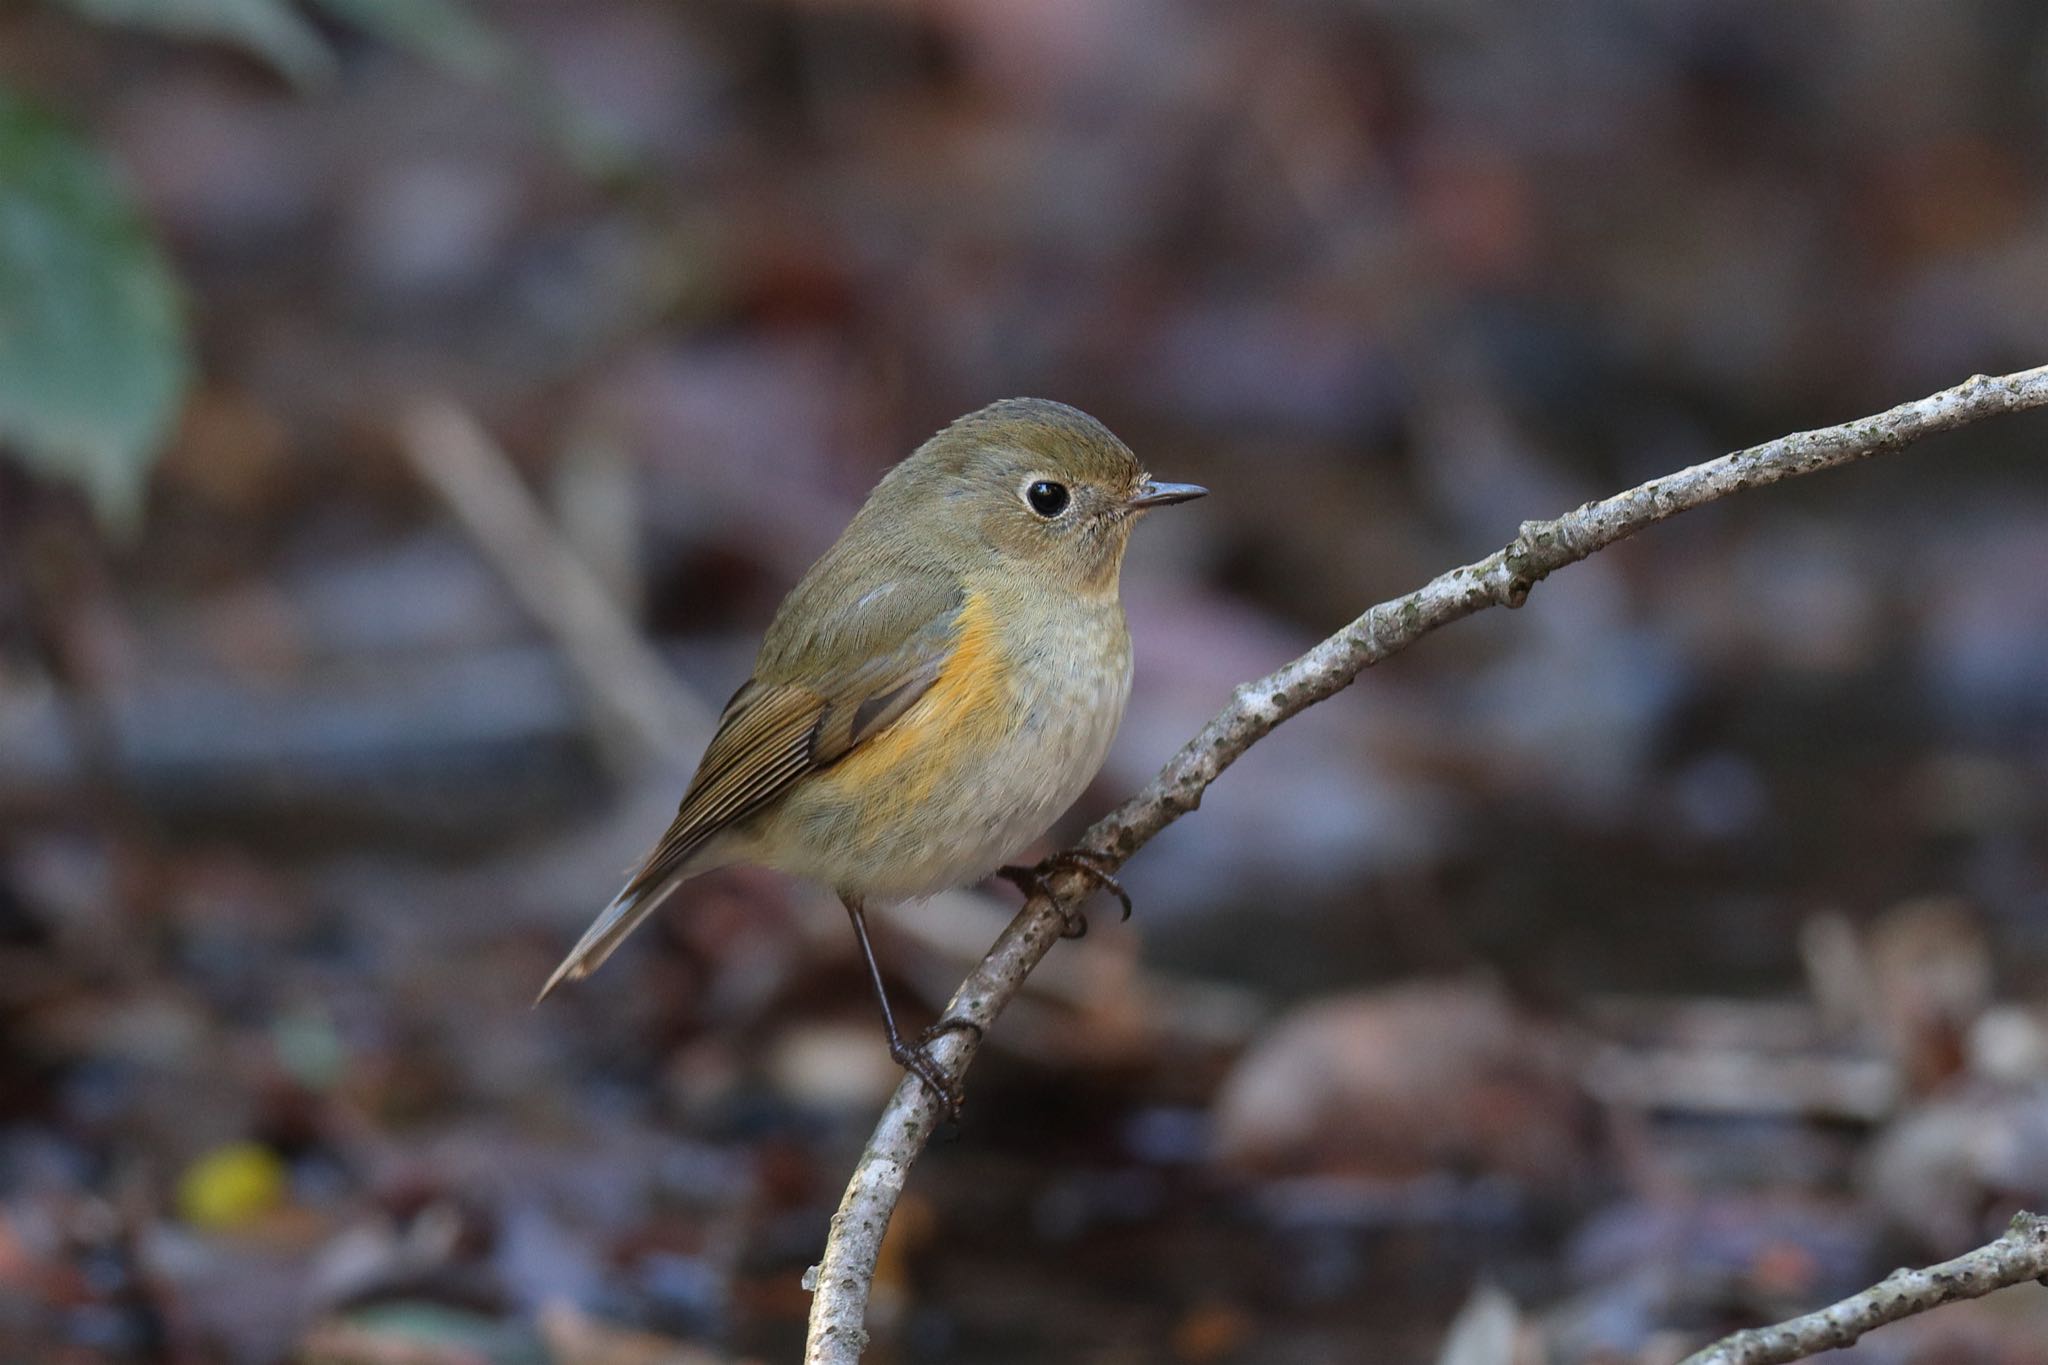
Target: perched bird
938,688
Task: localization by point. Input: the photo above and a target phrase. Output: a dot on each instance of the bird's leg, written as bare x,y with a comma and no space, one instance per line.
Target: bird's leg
1032,882
916,1058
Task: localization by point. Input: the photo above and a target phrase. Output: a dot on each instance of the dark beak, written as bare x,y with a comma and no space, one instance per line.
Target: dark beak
1155,494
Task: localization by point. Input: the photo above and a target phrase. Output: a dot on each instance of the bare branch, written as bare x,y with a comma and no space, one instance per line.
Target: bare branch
2017,1257
1502,579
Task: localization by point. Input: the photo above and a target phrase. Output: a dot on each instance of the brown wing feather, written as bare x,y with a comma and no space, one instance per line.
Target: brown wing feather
772,734
764,742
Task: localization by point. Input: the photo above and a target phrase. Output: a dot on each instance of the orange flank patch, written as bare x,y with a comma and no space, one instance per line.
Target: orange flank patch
962,715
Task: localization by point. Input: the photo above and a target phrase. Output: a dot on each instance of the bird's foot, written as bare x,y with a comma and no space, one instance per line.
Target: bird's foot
917,1059
1032,882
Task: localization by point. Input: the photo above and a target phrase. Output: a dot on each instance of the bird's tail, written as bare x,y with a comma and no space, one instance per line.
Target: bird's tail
669,864
632,905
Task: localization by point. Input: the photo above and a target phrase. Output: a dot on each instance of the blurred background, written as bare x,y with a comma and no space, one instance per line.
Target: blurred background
410,416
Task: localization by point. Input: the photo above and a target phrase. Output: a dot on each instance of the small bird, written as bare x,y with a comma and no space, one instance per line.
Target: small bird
931,696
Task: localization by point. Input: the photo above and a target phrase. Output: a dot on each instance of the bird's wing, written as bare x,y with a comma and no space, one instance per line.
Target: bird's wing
798,714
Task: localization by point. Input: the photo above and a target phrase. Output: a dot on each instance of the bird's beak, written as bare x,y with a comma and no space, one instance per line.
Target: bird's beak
1156,494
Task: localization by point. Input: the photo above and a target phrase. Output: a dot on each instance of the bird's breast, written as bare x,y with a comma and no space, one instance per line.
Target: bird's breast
1005,740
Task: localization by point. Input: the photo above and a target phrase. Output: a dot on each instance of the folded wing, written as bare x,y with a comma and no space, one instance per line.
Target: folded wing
804,710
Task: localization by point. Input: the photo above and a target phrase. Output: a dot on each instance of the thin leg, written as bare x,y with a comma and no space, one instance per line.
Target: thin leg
1032,882
916,1058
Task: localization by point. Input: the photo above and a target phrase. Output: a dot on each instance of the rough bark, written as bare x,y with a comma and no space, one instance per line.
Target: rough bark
2015,1258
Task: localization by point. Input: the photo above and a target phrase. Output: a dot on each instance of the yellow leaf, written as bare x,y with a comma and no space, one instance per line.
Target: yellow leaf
231,1186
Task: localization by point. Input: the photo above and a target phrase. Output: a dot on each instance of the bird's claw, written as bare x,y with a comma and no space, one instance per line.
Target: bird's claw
917,1059
1032,881
952,1024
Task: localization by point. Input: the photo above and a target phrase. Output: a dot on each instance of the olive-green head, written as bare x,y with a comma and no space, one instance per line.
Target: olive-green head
1044,486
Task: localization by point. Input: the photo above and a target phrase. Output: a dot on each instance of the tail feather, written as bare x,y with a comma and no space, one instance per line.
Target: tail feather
667,865
618,919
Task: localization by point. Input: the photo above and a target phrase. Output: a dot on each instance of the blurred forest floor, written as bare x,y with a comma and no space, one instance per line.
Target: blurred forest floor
1666,955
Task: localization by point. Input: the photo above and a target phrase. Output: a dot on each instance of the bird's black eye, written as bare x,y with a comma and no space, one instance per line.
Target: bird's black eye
1047,498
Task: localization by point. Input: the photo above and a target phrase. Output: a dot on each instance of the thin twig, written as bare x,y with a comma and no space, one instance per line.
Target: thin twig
2015,1258
633,686
1502,579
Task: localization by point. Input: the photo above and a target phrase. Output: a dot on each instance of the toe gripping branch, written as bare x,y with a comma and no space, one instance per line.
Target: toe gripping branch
916,1058
1033,881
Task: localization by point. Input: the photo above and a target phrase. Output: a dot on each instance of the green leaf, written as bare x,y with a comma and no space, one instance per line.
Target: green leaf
444,32
271,29
94,360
